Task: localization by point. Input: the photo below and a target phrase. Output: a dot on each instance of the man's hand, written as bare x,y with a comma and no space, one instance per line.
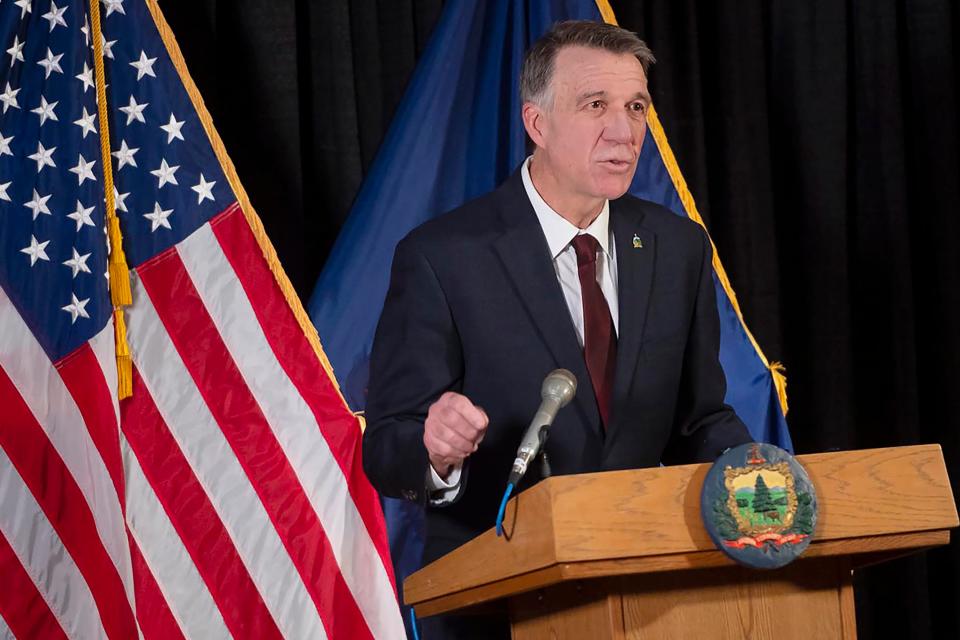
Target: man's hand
452,431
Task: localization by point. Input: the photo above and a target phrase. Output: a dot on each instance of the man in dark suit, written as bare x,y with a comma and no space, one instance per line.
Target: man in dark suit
556,268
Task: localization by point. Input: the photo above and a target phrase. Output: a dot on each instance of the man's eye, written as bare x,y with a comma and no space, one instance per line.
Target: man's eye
596,104
639,107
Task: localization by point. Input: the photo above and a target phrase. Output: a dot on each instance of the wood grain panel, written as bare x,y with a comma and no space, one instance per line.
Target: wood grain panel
797,602
657,511
571,611
871,550
871,502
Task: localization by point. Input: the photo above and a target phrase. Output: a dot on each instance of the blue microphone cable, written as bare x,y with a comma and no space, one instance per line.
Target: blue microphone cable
413,624
503,507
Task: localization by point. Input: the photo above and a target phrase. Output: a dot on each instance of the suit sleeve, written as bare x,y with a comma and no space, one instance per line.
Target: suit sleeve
705,425
416,357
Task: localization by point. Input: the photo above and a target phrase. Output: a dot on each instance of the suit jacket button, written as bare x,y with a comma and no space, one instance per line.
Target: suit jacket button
410,495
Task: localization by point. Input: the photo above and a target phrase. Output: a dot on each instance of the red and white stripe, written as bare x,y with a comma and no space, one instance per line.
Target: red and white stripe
61,488
164,558
264,451
235,469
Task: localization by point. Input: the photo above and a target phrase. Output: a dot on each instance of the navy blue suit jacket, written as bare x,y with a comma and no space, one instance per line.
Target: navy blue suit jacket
474,306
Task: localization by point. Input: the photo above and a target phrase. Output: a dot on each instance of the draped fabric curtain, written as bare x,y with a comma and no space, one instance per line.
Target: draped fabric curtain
819,138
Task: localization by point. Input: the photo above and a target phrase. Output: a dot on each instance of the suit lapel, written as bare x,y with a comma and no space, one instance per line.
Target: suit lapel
635,266
524,252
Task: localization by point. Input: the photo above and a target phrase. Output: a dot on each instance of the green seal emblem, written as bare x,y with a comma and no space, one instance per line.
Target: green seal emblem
759,506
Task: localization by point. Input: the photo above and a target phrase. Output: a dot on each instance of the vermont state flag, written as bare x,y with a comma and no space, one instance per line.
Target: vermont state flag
457,135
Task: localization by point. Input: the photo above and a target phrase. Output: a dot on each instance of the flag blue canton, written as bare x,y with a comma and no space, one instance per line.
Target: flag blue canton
51,218
52,213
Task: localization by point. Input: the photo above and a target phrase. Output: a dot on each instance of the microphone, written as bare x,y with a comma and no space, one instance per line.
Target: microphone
557,391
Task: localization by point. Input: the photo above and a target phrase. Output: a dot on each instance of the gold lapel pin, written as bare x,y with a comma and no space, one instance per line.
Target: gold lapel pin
637,243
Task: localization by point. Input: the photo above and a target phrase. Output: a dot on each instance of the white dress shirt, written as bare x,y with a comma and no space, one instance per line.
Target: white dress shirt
559,234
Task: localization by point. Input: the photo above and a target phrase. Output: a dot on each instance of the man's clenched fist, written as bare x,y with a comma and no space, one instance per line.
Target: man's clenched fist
452,431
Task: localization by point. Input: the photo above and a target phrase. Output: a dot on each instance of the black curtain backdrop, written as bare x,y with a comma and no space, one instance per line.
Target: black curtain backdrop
819,138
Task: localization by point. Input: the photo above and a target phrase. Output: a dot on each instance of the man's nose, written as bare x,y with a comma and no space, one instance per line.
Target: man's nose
619,128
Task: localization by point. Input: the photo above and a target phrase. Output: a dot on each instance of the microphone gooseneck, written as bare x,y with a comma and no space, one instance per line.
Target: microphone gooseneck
559,388
557,391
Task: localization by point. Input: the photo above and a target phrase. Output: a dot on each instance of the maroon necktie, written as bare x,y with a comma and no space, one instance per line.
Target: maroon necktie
599,338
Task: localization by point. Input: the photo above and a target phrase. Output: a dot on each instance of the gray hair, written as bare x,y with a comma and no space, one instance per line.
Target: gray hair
537,70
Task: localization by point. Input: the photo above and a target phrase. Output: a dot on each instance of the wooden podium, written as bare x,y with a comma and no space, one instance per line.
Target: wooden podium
624,554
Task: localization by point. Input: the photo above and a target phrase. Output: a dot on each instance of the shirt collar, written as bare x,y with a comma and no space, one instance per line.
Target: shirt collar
557,229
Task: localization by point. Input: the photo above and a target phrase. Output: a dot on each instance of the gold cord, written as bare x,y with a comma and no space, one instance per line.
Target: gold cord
117,262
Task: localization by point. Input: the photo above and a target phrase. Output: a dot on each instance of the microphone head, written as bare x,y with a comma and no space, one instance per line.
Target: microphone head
561,385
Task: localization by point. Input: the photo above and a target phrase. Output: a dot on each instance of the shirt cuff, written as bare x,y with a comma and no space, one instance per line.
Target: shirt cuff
443,491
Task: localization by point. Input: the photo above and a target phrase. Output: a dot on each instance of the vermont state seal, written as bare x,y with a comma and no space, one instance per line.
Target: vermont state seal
759,506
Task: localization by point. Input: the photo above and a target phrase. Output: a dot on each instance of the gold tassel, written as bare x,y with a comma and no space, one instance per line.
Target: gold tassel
124,362
119,272
362,419
779,373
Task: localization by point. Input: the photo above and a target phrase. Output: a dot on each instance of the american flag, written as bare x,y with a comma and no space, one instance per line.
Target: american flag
225,497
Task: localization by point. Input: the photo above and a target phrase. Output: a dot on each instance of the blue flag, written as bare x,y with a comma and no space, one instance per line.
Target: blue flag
457,135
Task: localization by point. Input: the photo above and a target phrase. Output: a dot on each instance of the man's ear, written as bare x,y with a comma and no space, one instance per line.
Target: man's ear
535,122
